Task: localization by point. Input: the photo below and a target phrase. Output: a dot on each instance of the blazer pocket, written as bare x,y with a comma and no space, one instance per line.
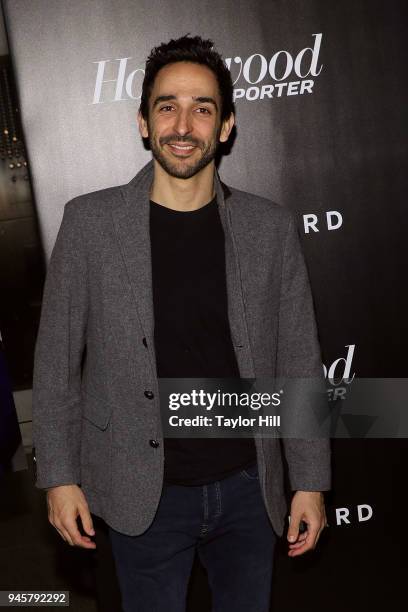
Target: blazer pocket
96,410
96,443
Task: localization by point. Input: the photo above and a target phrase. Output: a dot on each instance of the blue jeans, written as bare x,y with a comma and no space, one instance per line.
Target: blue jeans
226,522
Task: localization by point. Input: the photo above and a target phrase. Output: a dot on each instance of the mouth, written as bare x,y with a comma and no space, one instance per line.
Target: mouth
181,150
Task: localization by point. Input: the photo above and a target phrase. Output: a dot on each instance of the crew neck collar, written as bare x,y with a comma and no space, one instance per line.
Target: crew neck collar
196,212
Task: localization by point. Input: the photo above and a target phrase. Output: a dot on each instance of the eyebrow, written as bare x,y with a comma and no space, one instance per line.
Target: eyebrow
202,99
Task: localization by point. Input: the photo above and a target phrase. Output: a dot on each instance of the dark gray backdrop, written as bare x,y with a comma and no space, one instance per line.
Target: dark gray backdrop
335,151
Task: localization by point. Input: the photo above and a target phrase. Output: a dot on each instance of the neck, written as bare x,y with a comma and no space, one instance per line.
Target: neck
183,194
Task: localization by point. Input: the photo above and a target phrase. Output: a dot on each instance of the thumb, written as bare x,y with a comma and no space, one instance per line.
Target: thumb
86,520
293,531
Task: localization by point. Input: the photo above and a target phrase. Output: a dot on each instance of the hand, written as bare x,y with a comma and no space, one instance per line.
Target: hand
307,506
65,504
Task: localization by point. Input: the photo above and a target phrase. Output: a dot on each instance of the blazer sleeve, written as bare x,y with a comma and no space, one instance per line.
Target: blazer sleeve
57,359
299,361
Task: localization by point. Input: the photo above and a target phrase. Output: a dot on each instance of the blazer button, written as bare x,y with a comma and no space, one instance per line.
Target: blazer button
149,394
154,443
144,342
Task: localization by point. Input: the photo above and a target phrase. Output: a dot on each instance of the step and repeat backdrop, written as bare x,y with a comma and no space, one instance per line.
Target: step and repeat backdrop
320,90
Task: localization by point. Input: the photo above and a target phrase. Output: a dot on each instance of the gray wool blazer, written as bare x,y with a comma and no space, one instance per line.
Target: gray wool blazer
93,422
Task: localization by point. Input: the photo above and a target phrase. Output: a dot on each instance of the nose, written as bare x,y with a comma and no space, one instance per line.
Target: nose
183,123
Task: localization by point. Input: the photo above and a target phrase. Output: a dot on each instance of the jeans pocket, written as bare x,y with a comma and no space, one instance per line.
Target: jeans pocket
251,472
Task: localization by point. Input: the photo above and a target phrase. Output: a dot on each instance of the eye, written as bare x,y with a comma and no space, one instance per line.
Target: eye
166,108
204,109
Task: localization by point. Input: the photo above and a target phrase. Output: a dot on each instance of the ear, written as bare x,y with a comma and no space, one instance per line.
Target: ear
142,125
226,127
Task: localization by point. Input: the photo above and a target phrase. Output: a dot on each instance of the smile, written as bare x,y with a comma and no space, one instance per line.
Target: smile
181,148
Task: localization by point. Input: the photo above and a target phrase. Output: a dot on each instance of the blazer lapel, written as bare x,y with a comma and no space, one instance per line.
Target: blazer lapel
235,294
131,219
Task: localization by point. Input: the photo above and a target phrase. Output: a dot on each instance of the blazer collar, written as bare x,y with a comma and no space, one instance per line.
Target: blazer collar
140,185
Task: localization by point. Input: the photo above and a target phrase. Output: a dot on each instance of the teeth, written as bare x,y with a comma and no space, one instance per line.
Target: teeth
183,148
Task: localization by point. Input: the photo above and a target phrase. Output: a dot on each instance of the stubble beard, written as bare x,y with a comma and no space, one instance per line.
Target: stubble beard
183,169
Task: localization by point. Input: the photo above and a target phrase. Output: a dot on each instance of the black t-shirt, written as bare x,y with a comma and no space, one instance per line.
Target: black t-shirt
191,330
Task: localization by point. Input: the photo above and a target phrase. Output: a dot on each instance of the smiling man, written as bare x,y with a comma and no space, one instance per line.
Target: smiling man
192,140
164,277
184,129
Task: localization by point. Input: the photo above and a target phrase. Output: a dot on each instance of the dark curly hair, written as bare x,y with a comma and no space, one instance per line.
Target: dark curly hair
188,49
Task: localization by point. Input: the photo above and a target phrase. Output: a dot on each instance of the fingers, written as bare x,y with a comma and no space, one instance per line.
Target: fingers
66,525
307,540
86,520
77,538
307,544
299,542
293,531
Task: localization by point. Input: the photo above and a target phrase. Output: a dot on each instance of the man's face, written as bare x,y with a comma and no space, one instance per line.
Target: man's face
184,126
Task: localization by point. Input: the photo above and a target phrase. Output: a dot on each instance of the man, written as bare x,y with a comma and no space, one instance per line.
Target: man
175,275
